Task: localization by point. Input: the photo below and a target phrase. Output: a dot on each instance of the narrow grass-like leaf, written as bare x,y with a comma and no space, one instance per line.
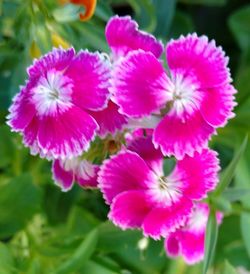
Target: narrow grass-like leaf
229,172
210,240
81,255
245,226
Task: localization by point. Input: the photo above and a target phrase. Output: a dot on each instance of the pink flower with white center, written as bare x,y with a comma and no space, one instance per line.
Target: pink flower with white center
189,241
66,172
123,36
193,99
51,111
141,196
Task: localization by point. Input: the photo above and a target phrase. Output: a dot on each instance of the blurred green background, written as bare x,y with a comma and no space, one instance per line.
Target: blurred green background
43,230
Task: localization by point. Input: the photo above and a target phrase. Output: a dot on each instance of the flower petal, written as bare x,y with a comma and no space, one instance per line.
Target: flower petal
89,6
222,100
22,110
171,245
90,73
163,220
66,134
58,59
123,35
197,174
200,58
139,84
129,208
144,147
177,138
124,171
89,179
109,120
64,179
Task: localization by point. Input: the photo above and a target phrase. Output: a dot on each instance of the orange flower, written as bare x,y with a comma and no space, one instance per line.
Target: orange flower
89,6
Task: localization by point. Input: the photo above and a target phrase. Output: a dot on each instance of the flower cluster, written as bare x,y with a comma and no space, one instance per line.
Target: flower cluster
112,120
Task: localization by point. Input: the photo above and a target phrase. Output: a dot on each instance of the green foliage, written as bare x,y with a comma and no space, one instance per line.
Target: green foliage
43,230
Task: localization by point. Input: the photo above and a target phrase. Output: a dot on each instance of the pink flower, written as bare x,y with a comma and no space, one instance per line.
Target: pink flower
51,111
141,196
189,241
123,36
193,99
66,172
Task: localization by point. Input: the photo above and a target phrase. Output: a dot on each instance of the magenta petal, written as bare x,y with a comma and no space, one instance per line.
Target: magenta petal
139,84
129,208
197,174
66,134
171,245
109,120
122,35
192,247
64,179
58,59
90,73
198,57
89,179
177,138
161,221
22,110
124,171
222,100
144,147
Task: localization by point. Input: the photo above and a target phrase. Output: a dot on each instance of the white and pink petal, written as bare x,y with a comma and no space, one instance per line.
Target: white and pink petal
123,36
139,84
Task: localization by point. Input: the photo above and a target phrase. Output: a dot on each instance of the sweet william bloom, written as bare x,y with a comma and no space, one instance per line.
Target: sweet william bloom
189,241
141,196
123,36
194,98
51,111
66,172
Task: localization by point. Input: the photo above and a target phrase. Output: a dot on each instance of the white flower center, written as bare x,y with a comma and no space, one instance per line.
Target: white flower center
166,192
185,95
52,93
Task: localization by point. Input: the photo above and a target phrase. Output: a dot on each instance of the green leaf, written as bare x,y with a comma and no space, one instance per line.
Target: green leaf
235,194
165,11
239,24
181,25
228,268
7,148
210,240
81,255
67,13
229,172
6,260
20,199
95,268
245,228
205,2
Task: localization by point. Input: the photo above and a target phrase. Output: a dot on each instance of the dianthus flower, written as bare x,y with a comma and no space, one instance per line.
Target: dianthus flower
141,196
193,99
66,172
189,241
51,111
123,36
